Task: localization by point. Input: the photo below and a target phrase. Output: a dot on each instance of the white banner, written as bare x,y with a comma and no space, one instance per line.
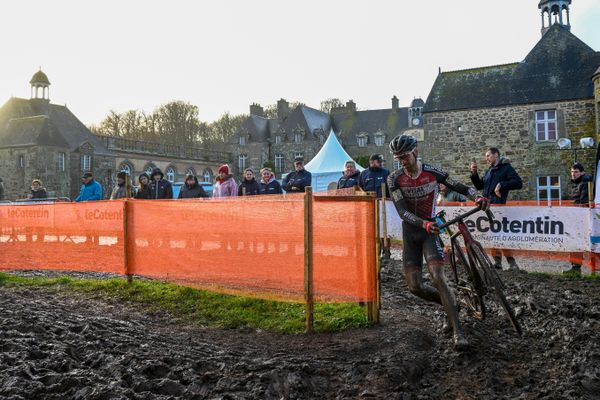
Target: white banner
558,229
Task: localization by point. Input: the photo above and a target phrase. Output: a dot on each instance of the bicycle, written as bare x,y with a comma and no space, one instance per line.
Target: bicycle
473,273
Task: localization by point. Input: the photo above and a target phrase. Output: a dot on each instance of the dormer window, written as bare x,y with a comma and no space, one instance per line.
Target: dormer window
379,140
362,141
242,140
278,139
298,138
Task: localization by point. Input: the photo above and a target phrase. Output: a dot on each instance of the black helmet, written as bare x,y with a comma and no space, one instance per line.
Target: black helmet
403,144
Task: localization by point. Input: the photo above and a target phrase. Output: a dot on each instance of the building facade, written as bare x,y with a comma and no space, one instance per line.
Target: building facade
41,140
522,108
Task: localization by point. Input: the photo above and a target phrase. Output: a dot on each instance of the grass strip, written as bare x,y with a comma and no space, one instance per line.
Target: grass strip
203,307
570,276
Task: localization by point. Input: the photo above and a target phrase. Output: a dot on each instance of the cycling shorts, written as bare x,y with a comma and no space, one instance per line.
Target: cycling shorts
417,243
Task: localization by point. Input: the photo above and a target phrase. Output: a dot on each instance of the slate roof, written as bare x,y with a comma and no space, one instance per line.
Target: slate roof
306,118
558,68
351,124
257,127
35,122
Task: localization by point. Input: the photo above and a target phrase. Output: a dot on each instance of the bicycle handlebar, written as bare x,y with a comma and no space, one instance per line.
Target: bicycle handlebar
488,212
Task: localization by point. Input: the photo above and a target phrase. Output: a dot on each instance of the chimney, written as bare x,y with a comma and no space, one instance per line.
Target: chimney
350,106
394,103
256,109
283,109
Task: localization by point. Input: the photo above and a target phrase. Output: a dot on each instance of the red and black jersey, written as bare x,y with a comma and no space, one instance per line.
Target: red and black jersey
415,198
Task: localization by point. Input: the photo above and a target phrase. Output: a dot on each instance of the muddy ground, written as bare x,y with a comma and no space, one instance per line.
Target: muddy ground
73,346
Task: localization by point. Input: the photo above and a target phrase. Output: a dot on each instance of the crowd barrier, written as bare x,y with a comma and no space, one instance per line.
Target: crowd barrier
271,247
557,230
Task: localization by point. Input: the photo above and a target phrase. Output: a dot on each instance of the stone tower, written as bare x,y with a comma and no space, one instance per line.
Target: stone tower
555,12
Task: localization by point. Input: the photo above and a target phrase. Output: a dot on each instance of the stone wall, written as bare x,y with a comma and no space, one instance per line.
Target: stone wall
454,138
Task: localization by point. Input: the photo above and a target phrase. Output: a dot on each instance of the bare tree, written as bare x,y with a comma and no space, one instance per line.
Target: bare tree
331,103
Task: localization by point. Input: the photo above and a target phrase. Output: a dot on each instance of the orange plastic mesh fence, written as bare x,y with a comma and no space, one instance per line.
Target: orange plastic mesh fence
255,246
62,236
252,245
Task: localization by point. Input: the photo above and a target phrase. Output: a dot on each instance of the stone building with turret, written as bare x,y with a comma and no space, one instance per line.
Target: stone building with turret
41,140
523,108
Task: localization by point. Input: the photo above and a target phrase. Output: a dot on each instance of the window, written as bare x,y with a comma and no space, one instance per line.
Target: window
297,138
149,169
545,125
242,140
61,162
170,174
86,162
548,188
379,140
277,139
207,175
126,168
21,161
396,164
298,155
279,163
242,158
190,171
362,141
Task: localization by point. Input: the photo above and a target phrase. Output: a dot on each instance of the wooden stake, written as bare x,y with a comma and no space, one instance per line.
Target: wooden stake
126,244
308,259
591,195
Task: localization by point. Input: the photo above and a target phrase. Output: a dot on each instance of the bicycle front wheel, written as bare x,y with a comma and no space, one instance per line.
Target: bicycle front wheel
468,282
493,280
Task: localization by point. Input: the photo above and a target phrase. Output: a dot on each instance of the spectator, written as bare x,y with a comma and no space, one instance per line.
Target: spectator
297,180
160,188
268,184
225,185
350,177
120,189
580,195
143,191
1,189
497,181
448,195
191,188
90,189
370,179
248,186
37,191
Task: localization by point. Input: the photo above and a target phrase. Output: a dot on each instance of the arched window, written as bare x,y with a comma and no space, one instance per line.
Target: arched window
126,167
190,171
170,174
148,169
207,175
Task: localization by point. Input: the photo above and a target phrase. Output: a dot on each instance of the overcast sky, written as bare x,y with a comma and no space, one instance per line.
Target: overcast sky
223,55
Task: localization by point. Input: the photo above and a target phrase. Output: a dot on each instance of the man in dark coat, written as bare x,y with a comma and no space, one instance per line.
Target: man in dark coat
298,180
350,177
497,181
579,195
248,186
191,189
370,179
160,188
1,189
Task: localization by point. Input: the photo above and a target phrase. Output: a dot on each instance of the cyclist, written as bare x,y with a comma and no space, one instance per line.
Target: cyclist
413,189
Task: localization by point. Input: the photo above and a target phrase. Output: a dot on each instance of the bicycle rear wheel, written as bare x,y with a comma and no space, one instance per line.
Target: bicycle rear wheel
468,282
493,280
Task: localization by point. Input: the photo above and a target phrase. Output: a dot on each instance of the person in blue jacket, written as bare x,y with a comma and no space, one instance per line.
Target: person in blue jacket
350,177
370,179
298,180
90,189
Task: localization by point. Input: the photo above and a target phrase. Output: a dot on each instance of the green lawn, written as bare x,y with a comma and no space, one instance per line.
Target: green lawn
203,307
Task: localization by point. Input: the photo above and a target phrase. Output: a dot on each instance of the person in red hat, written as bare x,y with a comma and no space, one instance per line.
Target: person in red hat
225,185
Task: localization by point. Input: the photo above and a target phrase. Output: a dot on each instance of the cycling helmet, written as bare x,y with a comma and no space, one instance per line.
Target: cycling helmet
403,144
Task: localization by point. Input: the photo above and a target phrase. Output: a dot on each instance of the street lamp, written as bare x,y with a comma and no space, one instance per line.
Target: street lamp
585,143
